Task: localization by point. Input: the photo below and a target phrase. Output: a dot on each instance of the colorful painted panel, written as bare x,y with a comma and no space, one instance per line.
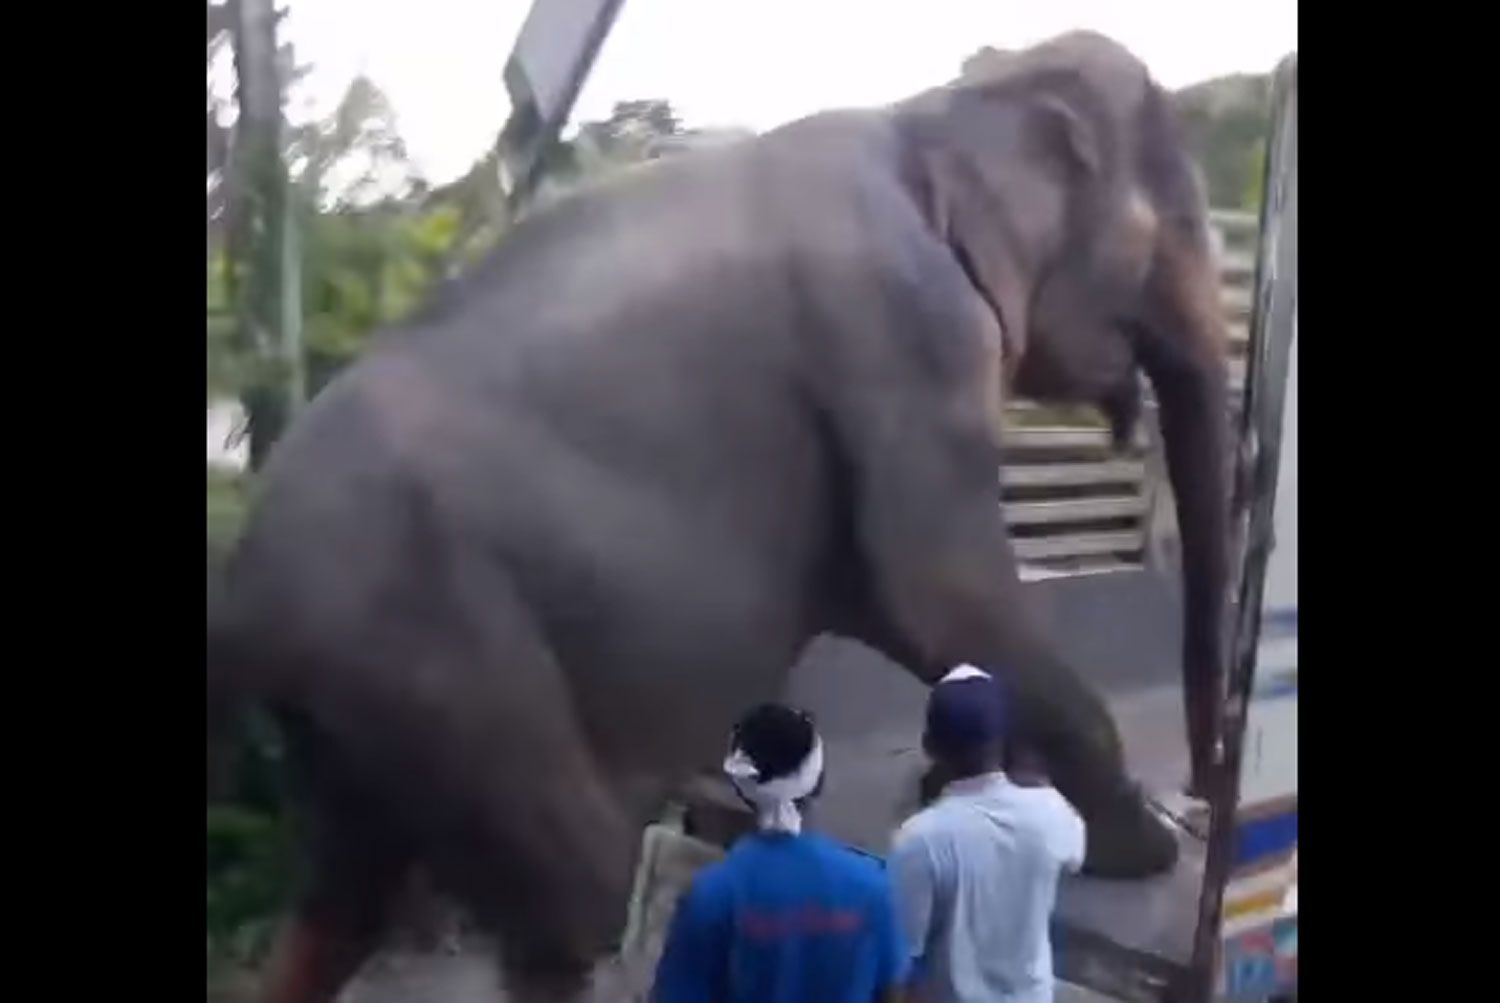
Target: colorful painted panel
1262,888
1258,946
1260,962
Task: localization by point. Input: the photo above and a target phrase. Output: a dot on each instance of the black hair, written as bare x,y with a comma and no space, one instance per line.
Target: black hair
776,738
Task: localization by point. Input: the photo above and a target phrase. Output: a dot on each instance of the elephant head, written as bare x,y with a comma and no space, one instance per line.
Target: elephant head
1058,178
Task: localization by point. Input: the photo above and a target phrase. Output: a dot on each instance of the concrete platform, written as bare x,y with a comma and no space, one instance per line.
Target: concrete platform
1067,992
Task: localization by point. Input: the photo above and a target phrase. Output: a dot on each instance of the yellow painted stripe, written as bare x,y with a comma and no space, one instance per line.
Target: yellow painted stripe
1254,884
1260,901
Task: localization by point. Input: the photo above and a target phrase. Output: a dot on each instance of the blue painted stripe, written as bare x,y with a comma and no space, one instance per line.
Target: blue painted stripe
1278,624
1264,837
1280,686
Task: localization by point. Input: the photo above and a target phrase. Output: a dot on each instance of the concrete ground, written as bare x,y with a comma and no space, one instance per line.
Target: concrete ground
1067,992
470,978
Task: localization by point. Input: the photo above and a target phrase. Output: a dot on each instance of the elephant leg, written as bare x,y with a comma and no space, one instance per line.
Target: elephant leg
356,866
1060,719
1057,717
517,820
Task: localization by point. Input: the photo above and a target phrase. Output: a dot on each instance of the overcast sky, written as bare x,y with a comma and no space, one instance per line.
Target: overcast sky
753,63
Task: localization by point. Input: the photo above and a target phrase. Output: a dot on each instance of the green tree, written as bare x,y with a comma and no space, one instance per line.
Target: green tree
250,207
634,132
1225,122
373,242
373,239
631,133
1255,188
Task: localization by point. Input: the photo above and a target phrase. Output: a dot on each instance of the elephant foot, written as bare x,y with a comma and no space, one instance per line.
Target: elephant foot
1127,839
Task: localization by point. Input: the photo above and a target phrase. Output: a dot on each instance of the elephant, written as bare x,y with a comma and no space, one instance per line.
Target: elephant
509,577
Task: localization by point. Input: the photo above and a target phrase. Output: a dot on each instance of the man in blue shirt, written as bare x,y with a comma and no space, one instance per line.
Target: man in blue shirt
788,916
976,872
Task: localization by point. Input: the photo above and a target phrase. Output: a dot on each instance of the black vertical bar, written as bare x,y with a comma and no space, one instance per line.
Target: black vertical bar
1271,328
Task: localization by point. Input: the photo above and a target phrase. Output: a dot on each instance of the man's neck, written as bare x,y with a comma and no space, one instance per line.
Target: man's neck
970,779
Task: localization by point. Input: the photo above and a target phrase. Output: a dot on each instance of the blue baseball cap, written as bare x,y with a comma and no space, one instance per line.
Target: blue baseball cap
965,711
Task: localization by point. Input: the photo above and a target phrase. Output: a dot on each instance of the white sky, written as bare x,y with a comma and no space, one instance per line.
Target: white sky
754,63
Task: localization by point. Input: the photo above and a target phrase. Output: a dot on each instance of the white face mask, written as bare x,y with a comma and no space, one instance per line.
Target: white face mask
775,801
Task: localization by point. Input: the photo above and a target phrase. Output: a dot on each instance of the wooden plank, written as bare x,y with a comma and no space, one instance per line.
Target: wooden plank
1239,263
1026,437
1033,513
1055,437
1237,301
1105,564
1050,475
1079,545
1236,220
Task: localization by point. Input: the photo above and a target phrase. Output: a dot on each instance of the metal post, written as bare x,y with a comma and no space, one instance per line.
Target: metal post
1272,325
264,246
291,298
556,49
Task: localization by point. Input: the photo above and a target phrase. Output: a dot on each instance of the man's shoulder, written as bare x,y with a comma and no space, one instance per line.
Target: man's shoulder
1052,820
1039,805
921,828
1044,803
713,882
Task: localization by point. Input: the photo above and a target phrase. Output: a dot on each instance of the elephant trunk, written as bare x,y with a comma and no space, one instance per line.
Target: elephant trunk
1184,355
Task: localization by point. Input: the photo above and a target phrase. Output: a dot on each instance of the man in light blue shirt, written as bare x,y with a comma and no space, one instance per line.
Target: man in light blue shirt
976,872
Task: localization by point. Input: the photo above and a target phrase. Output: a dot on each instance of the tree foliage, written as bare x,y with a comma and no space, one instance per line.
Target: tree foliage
375,236
1225,123
634,132
372,242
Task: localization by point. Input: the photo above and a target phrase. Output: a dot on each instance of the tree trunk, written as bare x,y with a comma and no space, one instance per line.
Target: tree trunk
262,257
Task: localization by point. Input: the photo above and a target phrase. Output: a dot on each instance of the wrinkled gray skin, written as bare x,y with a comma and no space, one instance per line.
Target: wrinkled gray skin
513,575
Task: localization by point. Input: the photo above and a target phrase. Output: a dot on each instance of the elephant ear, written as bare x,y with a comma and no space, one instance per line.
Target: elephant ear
1002,207
1083,96
1068,135
1105,67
